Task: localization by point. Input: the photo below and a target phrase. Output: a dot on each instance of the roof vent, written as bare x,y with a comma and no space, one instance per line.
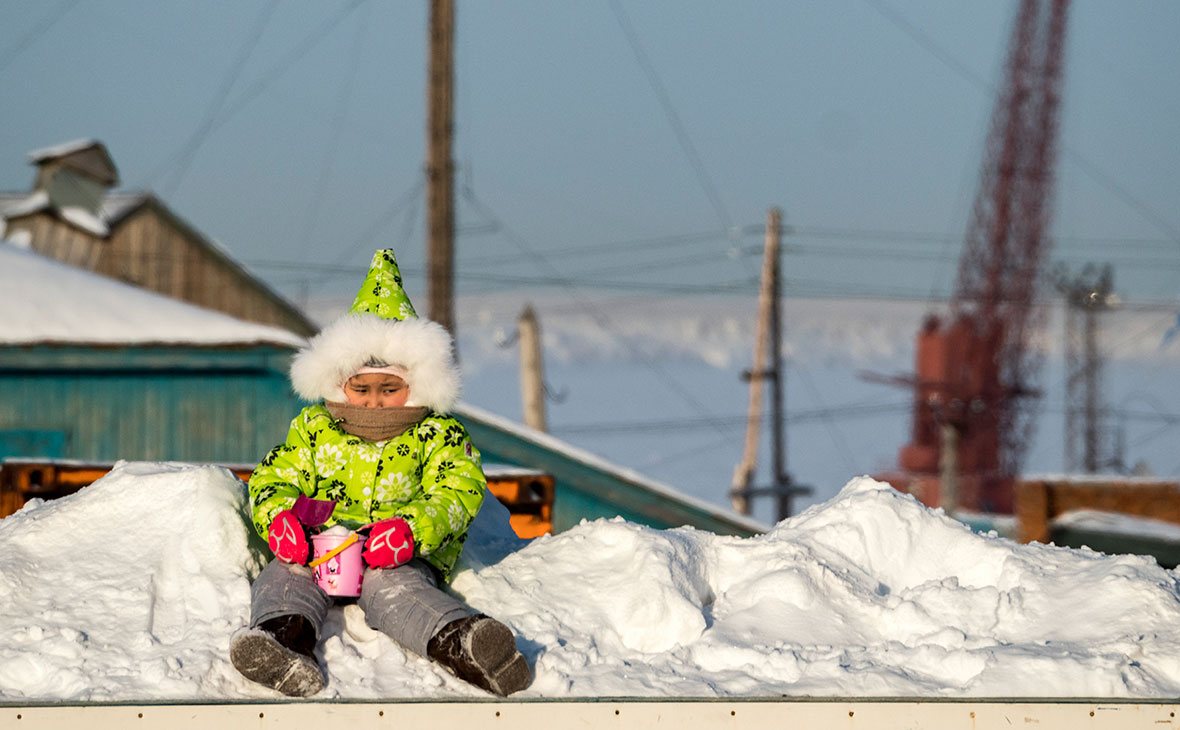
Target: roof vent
75,175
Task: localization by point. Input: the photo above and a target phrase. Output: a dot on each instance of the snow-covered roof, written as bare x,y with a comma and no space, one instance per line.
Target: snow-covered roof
61,150
45,301
114,205
88,157
11,207
117,205
604,466
1116,523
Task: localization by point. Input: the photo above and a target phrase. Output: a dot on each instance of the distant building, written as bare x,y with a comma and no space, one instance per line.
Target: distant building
589,487
72,215
126,334
98,370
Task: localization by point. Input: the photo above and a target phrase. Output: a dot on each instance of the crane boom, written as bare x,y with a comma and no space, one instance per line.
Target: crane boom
975,371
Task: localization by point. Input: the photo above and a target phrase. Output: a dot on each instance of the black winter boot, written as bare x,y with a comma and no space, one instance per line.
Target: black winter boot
280,654
481,650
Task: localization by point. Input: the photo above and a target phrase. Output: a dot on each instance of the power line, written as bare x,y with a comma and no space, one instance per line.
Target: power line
666,264
327,167
665,100
883,236
637,244
514,281
568,281
311,40
873,238
926,42
1154,325
200,134
416,208
36,32
798,287
314,273
1123,262
1123,194
407,198
696,451
598,315
1172,419
825,414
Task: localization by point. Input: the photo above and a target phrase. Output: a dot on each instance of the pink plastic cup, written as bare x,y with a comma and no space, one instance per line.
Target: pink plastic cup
341,574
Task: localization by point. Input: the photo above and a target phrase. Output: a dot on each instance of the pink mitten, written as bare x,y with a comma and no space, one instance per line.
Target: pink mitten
390,544
287,539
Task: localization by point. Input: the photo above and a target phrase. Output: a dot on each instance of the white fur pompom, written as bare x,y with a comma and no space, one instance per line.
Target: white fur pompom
422,347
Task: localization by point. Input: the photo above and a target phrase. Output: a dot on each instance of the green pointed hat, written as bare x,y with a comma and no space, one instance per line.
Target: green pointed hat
380,327
382,293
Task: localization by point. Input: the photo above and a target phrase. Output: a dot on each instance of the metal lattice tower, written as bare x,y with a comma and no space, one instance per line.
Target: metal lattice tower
1087,295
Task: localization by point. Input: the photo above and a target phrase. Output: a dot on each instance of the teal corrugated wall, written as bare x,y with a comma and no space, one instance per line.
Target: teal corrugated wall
584,491
231,405
155,404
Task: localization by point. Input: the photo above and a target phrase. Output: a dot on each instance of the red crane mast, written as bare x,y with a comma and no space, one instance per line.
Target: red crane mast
975,369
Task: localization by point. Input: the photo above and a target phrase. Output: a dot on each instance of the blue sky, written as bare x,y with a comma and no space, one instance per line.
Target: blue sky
293,132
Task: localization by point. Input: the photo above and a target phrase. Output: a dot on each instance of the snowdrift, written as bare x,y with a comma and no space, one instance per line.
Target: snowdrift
130,589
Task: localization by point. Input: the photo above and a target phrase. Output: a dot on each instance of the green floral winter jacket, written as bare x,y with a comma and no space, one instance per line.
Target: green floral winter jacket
430,476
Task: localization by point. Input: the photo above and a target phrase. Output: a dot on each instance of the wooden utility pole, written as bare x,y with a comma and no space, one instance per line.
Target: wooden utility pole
769,326
532,373
440,169
948,467
743,474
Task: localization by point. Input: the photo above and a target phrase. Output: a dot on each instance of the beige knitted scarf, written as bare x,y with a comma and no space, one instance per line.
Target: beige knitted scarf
375,424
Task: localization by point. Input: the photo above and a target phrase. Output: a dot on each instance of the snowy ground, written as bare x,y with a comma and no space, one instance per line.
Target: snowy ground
130,590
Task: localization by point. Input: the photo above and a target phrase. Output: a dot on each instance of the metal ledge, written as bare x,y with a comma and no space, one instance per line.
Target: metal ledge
680,714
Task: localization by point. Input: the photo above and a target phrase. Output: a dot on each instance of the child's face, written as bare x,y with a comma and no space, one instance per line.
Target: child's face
376,390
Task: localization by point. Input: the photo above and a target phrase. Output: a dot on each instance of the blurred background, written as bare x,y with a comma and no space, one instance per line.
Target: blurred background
615,163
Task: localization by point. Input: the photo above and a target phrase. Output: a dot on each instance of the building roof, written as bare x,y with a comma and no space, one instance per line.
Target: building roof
44,301
577,470
116,207
15,206
88,156
64,149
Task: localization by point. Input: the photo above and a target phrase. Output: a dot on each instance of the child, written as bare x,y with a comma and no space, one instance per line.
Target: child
378,455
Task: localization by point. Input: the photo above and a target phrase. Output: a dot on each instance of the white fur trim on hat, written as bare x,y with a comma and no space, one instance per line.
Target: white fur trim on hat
422,347
384,369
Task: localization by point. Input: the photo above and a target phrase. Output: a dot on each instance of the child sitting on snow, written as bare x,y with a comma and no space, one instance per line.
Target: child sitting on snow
378,455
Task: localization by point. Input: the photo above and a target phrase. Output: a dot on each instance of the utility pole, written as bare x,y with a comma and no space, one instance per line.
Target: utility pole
743,473
440,169
532,374
948,467
769,323
1086,296
782,480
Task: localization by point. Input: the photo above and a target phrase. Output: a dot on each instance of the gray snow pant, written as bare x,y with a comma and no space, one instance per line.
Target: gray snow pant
404,603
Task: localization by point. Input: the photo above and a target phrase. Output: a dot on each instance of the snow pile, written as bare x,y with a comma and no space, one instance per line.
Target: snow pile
127,588
130,590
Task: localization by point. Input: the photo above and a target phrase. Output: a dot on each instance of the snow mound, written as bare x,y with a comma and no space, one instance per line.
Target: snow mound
126,589
130,590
